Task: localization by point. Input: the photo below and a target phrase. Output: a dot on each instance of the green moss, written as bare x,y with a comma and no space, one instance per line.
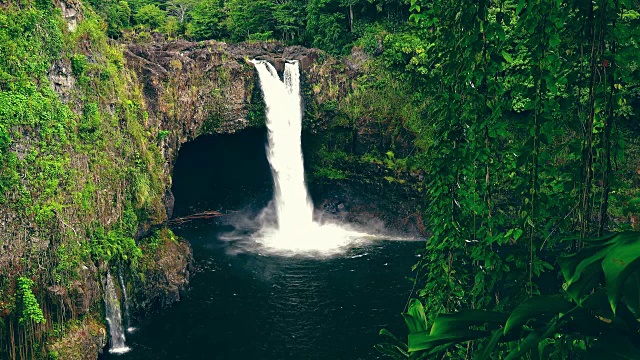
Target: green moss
257,108
79,176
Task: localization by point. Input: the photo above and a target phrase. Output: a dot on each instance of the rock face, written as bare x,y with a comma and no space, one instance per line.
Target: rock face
373,197
71,12
80,295
167,266
207,87
211,87
82,341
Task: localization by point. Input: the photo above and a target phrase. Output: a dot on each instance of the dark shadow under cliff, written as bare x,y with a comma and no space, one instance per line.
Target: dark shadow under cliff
222,172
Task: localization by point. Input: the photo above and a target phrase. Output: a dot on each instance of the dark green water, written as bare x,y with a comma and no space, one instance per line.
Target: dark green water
247,305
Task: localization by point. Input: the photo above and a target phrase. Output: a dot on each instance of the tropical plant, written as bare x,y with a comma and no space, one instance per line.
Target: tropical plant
595,316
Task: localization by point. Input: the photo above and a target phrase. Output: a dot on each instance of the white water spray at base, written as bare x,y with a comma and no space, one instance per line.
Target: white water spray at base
294,229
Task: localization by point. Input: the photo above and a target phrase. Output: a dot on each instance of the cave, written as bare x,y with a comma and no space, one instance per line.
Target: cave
223,172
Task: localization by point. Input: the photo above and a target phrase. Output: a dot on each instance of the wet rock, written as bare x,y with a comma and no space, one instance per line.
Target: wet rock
82,341
167,266
169,202
79,296
367,198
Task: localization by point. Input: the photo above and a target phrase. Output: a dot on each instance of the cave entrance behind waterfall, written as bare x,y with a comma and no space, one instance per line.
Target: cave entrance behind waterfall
222,172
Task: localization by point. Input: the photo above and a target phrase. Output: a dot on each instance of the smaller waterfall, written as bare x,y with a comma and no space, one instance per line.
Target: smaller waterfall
114,318
126,317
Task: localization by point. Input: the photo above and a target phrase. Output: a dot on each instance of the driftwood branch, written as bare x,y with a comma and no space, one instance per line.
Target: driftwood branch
198,216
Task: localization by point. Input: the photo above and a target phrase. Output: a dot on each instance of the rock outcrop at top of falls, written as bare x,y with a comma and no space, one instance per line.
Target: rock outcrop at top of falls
193,88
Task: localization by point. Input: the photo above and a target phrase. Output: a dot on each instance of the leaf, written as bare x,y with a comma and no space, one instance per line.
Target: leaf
588,280
415,318
534,308
394,340
517,233
507,57
581,264
521,5
531,341
423,341
486,351
391,350
462,320
619,263
631,291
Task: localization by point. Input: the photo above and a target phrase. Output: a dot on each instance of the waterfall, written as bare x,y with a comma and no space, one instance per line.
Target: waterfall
114,318
294,229
126,317
294,211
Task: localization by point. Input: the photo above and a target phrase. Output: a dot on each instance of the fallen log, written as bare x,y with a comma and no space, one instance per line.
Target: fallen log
198,216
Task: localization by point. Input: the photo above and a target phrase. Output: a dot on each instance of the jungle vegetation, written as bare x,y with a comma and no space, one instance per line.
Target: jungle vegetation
523,116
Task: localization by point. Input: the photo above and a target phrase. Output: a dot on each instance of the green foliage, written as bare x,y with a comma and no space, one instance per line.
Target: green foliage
162,134
29,40
329,24
78,64
113,245
595,317
28,304
207,21
249,17
514,123
327,30
158,238
150,15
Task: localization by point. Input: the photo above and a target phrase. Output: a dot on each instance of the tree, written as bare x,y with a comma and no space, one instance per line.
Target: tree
289,16
247,17
327,26
207,20
181,9
150,15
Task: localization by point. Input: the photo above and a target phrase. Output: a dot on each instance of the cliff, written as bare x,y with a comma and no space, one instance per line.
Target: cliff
89,132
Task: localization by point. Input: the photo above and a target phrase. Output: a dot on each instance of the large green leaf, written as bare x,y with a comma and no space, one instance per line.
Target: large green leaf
486,351
423,341
622,260
391,350
463,320
569,263
394,340
615,257
631,291
586,258
544,306
587,280
419,319
531,341
454,328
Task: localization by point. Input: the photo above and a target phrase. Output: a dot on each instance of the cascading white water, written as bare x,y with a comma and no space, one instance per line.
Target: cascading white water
114,318
294,210
295,229
126,316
